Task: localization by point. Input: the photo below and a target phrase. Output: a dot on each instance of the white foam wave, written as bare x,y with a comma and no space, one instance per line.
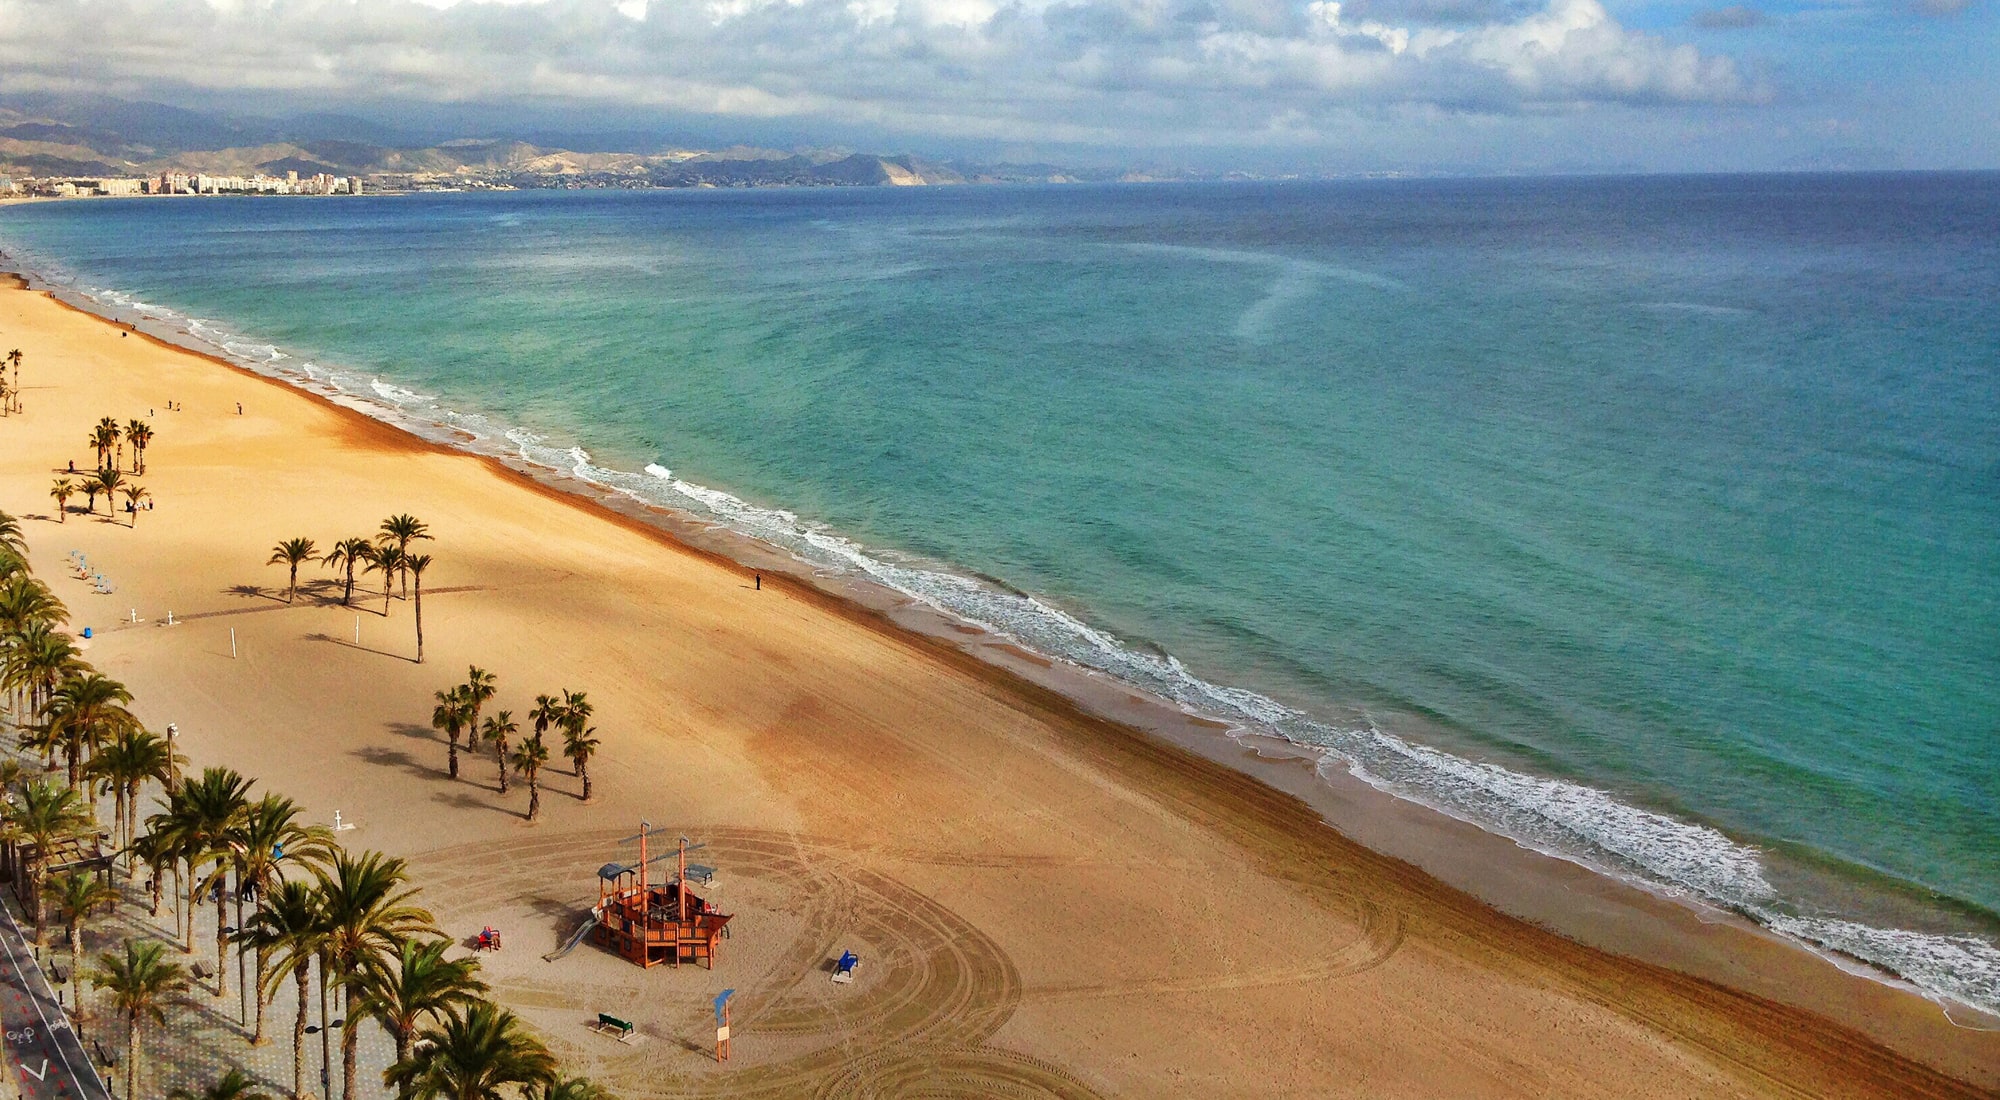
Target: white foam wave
1556,816
401,396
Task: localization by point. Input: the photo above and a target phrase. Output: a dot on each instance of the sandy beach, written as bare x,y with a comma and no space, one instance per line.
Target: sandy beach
1048,902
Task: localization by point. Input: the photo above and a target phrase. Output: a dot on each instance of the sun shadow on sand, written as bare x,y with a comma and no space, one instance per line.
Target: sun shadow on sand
464,801
416,732
254,591
344,643
375,754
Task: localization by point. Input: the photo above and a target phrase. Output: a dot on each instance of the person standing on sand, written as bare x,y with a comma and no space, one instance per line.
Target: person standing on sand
239,408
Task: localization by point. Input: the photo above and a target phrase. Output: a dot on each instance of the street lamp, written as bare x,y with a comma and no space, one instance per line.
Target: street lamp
325,1054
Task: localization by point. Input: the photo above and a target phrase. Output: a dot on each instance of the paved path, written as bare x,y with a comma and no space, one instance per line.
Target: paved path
45,1051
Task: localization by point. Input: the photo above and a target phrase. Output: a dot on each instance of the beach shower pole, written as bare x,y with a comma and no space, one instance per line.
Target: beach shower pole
232,643
357,630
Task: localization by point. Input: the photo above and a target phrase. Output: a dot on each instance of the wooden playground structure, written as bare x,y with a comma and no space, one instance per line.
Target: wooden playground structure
649,923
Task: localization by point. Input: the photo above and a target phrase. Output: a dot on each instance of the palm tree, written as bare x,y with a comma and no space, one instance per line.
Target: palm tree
368,915
63,490
579,740
291,552
133,495
234,1085
87,710
267,835
90,490
414,566
157,851
480,687
497,730
290,929
579,745
210,810
39,659
348,555
529,757
453,715
24,600
142,984
473,1056
132,756
402,530
389,561
77,895
548,712
108,483
139,434
569,1088
14,357
43,814
419,985
104,438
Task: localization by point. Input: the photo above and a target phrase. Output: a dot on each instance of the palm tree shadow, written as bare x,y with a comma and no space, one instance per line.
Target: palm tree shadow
376,754
254,590
416,732
318,636
465,801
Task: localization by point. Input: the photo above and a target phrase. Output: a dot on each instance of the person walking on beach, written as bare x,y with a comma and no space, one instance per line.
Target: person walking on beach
239,408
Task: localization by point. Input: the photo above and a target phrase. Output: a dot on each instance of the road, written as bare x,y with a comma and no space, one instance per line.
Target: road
44,1048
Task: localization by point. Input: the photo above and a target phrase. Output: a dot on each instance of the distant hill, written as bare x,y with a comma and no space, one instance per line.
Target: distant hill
47,135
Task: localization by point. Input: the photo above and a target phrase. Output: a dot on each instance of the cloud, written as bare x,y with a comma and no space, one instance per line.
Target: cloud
1732,18
1132,72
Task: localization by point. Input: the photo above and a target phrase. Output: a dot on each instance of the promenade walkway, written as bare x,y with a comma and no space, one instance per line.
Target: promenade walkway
44,1051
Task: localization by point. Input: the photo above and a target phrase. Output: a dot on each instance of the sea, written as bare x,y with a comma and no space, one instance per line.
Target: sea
1651,521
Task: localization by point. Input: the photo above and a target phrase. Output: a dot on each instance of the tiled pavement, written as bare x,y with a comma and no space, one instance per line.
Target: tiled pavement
202,1038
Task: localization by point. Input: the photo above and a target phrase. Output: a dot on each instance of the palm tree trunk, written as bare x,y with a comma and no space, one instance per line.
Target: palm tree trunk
534,797
76,968
403,1038
294,589
350,1041
500,757
263,966
221,942
420,620
132,1057
187,948
303,975
584,771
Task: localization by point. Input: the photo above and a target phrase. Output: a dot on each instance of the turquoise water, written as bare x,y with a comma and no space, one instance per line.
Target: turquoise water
1651,521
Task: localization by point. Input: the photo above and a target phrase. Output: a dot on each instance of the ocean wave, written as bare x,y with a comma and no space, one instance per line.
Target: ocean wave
1561,818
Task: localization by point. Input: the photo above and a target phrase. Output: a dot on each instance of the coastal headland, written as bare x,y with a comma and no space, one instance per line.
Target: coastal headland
1047,902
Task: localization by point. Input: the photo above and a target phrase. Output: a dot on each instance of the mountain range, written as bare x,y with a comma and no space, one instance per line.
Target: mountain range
43,136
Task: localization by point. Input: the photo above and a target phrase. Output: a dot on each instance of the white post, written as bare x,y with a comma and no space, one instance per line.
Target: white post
357,630
232,642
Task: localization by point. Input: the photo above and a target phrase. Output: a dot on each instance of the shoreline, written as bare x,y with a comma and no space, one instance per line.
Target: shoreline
1468,869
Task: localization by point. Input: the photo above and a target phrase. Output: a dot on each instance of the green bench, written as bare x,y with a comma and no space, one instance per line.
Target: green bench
607,1024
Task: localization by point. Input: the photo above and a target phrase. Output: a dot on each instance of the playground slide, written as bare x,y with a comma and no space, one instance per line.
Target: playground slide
569,945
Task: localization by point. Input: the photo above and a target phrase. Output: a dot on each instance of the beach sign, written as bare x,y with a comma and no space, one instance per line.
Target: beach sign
722,1024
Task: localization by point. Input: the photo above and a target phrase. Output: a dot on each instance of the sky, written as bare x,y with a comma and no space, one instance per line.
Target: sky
1314,86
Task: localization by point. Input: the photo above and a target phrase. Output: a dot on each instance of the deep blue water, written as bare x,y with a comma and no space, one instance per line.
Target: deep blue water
1656,521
